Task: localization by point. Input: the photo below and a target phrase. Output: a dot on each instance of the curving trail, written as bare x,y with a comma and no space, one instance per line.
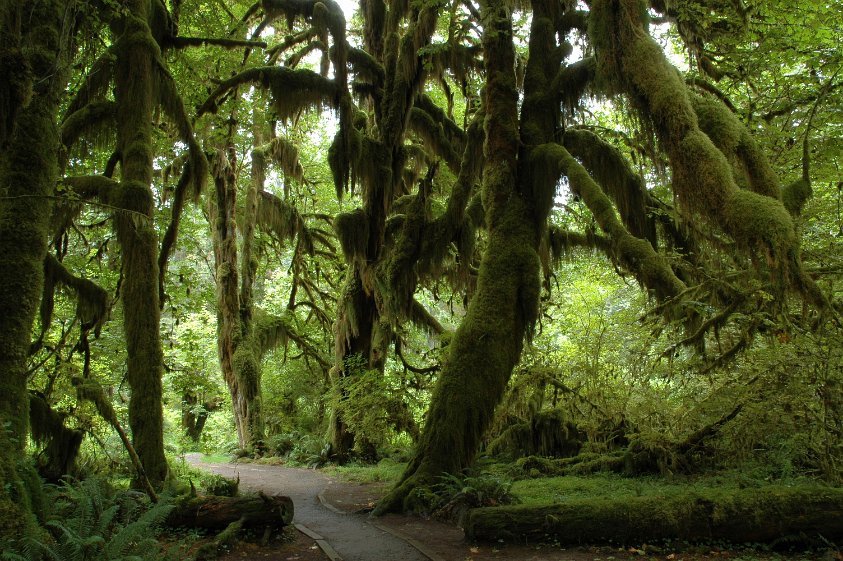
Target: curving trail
350,535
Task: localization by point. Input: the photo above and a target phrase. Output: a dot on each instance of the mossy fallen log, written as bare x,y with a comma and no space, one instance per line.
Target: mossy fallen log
759,515
217,513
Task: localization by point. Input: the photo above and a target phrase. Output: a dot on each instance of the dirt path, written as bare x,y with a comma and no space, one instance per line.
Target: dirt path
350,535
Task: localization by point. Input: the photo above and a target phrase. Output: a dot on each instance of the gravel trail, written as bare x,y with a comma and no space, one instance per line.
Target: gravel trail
353,538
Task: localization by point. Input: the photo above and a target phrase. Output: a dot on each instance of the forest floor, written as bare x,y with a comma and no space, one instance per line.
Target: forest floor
329,512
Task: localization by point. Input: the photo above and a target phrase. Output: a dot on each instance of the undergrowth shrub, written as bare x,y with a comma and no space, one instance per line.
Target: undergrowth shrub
454,495
91,521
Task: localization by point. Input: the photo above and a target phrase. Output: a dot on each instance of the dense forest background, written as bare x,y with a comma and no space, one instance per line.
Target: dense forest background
606,230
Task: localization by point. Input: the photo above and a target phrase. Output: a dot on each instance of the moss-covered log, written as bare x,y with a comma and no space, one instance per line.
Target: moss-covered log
216,513
760,515
33,68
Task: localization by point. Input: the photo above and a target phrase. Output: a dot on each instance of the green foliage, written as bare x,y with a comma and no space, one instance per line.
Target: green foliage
372,402
453,495
91,521
386,470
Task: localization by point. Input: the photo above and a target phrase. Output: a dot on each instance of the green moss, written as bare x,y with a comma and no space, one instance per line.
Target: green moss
795,195
612,171
352,229
737,515
733,139
547,434
720,124
756,219
702,176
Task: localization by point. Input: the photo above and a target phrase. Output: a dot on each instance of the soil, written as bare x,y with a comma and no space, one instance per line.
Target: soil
336,511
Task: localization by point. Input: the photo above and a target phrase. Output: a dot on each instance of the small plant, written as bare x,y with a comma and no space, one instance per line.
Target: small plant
454,495
220,485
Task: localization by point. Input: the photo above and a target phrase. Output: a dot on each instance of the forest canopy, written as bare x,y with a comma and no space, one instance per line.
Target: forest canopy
425,229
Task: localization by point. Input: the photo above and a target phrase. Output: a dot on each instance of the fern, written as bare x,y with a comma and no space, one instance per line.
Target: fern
93,522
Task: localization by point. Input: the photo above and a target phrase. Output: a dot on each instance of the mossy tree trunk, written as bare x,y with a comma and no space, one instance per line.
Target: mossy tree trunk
363,329
135,82
229,328
239,352
488,343
28,174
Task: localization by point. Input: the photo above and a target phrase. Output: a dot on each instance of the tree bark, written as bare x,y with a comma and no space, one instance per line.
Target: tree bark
135,97
488,343
28,174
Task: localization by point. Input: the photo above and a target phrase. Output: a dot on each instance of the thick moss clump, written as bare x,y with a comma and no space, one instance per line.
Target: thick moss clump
795,195
748,515
735,141
352,229
753,216
548,433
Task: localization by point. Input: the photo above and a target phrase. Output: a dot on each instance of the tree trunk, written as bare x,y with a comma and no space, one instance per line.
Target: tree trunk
240,358
488,343
193,419
28,174
135,97
216,513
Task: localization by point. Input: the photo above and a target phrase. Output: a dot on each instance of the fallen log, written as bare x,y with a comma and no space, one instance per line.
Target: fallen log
216,513
760,515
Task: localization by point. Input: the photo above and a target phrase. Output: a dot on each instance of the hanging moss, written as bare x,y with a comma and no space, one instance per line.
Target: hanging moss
61,444
92,301
548,434
433,137
352,229
292,90
634,253
612,171
284,154
95,121
795,195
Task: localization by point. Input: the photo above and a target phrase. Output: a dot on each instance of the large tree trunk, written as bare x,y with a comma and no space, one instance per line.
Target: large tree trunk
488,343
135,96
28,174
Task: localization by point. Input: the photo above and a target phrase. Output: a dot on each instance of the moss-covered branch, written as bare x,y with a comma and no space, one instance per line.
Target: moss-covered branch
90,120
92,301
631,62
181,42
611,170
636,254
292,90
